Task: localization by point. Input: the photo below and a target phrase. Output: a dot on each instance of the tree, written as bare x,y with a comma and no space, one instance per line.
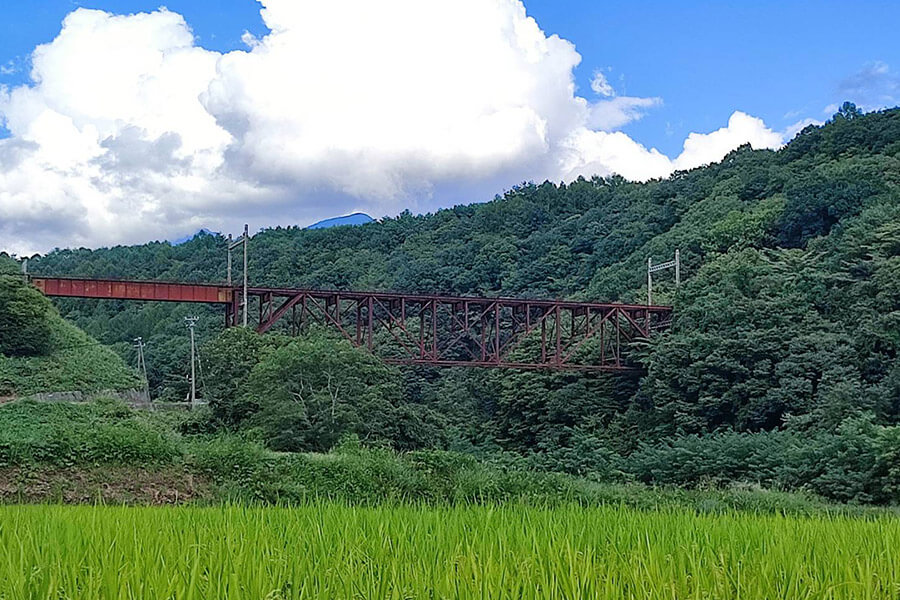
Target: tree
228,361
25,328
313,390
848,111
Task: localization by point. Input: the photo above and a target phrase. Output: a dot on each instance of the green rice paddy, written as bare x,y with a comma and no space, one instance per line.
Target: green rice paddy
338,551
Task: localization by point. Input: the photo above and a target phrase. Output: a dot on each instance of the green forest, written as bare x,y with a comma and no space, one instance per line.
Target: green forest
42,352
781,368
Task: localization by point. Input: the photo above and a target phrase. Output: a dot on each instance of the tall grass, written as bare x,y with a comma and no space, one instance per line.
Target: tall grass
329,550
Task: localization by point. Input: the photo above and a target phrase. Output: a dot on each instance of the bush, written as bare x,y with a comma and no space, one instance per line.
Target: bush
69,434
856,463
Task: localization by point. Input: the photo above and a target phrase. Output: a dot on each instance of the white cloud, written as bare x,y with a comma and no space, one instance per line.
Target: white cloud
608,115
131,131
792,130
614,112
602,152
588,152
601,86
705,148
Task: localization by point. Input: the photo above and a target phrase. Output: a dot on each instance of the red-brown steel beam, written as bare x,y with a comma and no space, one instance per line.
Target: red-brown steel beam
133,290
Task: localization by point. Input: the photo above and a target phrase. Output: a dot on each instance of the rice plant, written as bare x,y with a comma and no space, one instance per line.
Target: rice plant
330,550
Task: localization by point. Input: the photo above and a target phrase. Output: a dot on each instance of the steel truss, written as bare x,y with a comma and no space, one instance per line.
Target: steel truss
460,331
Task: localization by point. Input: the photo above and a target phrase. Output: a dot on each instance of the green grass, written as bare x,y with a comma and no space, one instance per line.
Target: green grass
39,441
77,362
76,434
333,550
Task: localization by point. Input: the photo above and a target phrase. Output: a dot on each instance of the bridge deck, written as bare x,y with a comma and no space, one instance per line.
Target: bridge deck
112,289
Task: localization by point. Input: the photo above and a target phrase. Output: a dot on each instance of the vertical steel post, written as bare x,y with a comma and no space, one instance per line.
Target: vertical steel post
618,337
544,339
434,341
371,324
558,335
497,331
649,281
602,342
142,365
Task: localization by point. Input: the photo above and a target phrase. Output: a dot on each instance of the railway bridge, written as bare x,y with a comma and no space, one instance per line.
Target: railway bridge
413,328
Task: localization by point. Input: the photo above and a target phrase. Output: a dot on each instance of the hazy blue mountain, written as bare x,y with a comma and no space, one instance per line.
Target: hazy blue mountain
354,219
188,238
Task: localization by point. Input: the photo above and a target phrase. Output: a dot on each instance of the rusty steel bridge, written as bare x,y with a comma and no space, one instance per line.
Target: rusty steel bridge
418,329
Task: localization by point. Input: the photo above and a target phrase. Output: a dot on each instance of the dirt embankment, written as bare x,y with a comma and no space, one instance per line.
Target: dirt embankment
107,484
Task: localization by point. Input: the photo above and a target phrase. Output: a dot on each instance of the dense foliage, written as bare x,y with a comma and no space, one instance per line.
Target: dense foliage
24,315
41,352
69,434
84,452
787,323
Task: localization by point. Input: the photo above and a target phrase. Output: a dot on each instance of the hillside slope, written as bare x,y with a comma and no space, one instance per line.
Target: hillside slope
42,352
789,316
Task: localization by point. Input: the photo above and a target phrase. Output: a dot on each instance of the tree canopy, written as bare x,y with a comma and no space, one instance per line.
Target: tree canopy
788,319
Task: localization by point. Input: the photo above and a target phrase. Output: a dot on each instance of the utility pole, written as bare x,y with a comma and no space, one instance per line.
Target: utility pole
246,238
677,267
142,364
228,277
651,268
191,322
242,241
25,269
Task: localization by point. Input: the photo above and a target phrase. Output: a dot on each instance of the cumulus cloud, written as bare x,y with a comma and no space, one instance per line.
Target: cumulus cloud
130,131
704,148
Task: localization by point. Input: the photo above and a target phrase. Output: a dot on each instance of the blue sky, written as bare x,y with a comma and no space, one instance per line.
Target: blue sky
778,60
150,123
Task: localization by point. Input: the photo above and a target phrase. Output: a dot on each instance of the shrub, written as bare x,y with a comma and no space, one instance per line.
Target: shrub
66,434
856,463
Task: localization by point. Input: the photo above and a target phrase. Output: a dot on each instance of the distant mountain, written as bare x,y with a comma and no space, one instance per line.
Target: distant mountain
188,238
354,219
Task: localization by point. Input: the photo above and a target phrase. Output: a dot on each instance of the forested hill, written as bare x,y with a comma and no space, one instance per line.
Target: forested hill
40,352
790,308
589,239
